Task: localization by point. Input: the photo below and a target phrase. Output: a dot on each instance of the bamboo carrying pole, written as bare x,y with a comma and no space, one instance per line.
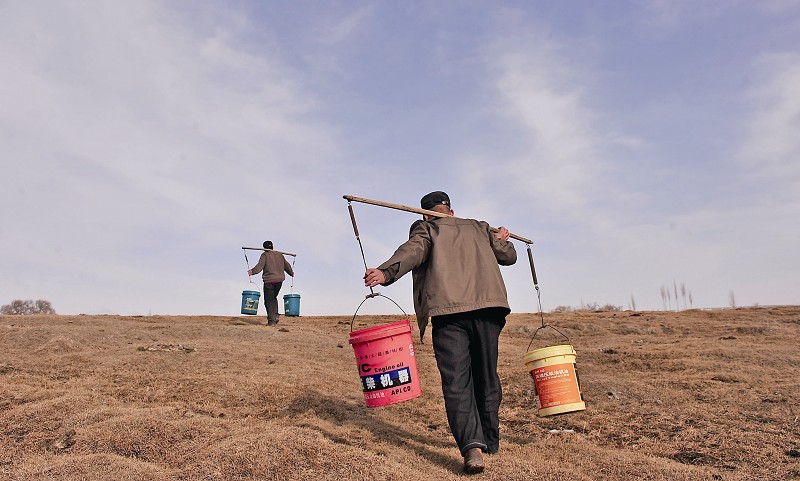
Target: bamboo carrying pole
418,211
273,250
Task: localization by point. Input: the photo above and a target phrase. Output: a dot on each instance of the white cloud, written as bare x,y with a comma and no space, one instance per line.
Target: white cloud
610,238
339,29
661,16
145,143
772,144
558,143
134,135
779,7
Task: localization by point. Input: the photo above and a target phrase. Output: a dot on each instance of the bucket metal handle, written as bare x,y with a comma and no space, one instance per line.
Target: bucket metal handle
370,296
545,326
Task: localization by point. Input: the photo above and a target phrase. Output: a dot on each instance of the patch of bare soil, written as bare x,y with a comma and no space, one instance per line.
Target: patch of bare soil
695,395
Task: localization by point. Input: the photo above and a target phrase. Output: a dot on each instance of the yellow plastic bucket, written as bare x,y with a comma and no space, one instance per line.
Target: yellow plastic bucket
555,380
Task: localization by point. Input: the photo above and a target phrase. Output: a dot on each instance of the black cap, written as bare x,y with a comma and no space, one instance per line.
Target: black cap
433,199
267,244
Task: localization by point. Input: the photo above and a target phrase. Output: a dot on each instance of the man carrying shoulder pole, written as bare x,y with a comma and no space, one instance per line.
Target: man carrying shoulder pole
272,264
457,282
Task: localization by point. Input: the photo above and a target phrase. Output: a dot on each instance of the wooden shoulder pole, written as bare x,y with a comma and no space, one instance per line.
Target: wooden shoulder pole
415,210
273,250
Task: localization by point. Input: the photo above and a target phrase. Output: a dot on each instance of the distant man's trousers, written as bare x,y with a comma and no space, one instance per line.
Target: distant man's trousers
465,345
271,290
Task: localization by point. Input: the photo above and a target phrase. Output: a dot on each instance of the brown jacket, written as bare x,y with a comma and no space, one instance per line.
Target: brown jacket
273,264
455,263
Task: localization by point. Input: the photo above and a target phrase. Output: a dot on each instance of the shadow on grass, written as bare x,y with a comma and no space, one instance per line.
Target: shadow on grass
349,413
247,321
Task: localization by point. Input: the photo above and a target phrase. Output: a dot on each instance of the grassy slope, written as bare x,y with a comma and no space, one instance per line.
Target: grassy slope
670,396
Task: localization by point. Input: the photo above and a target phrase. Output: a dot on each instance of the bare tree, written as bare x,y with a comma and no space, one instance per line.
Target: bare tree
633,303
732,298
19,306
44,307
691,302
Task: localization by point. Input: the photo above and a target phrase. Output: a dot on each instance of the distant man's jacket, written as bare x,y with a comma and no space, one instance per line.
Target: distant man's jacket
273,265
456,267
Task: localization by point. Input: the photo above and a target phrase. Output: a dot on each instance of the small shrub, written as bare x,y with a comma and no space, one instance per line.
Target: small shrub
18,307
592,307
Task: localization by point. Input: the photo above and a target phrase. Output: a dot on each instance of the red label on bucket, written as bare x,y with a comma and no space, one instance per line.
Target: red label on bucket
556,385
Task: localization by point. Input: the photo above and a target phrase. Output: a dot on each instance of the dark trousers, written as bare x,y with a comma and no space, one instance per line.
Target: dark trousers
271,290
465,345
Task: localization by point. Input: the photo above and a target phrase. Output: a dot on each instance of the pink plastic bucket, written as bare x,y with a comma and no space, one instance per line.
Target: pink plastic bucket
386,363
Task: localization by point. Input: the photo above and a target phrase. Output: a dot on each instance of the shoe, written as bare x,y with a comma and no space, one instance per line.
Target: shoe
272,324
473,461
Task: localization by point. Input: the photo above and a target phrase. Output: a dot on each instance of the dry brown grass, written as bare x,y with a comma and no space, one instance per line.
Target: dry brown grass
670,396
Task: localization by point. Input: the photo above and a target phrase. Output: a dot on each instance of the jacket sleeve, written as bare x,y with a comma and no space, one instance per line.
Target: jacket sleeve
409,255
287,267
503,250
262,261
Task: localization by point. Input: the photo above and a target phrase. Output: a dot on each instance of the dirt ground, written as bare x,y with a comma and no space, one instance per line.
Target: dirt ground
690,395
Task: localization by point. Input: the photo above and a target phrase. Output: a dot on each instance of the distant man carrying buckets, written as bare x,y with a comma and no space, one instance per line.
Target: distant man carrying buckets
273,265
457,282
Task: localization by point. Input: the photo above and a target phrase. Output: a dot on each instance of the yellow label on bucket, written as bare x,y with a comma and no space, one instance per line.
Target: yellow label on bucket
556,385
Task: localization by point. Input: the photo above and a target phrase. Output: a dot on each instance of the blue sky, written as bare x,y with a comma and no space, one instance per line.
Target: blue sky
641,145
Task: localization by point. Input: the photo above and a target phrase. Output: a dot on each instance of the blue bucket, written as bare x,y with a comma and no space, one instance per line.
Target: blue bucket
250,302
291,304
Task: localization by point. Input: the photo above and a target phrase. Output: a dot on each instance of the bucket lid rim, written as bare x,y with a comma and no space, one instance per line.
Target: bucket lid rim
381,331
550,351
